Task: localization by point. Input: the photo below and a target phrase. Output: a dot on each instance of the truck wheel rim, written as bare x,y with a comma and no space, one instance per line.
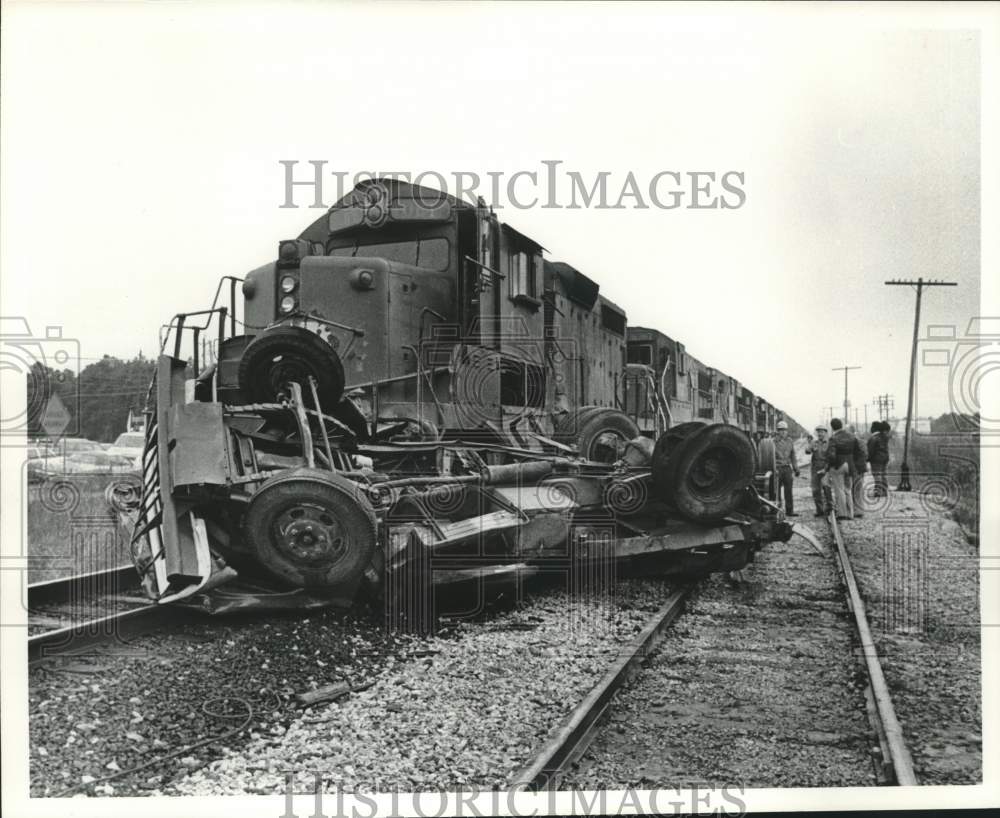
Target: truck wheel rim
309,533
607,446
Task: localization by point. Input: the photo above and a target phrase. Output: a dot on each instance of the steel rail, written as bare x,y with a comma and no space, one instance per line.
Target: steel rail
78,586
118,628
899,765
573,736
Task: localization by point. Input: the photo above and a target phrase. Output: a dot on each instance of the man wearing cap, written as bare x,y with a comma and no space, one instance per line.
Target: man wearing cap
817,468
784,459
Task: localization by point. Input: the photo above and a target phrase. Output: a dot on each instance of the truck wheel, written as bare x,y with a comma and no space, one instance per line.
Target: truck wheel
709,472
286,353
311,528
665,447
767,463
602,435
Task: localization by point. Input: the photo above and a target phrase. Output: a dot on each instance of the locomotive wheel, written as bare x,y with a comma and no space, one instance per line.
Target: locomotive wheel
311,528
602,434
665,447
767,462
286,353
709,471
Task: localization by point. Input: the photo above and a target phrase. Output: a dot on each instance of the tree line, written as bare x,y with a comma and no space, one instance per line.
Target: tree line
96,401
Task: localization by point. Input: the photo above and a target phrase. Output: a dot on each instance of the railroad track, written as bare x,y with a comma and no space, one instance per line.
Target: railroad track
84,611
570,740
574,734
897,764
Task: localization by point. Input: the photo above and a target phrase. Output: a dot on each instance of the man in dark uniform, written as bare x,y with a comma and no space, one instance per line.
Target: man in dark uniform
878,456
840,458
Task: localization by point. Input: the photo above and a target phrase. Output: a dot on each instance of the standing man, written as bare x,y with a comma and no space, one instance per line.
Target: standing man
784,460
878,456
839,458
817,470
859,465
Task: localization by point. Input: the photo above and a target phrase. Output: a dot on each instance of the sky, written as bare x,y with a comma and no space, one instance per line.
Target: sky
142,147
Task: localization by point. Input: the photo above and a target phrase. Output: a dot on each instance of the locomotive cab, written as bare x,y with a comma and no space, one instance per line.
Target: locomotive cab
426,309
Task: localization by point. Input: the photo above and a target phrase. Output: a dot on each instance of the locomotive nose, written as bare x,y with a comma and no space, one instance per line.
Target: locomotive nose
286,353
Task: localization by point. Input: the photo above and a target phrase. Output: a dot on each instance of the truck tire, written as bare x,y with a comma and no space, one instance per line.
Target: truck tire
664,449
311,528
767,464
599,432
709,472
287,353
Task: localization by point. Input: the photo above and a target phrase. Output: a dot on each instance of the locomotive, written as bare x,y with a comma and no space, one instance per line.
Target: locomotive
435,311
411,380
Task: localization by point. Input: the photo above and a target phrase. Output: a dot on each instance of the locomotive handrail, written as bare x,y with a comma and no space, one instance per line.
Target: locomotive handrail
179,322
663,394
486,267
421,372
654,399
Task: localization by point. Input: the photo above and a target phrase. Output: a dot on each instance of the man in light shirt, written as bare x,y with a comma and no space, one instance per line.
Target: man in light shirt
784,459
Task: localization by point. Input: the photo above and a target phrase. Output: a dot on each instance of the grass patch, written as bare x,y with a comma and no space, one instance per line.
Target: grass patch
71,528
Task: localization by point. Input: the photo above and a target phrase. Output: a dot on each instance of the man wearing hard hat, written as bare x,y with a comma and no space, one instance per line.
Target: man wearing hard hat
784,460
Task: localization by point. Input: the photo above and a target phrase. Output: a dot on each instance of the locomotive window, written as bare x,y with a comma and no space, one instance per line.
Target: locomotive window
612,320
430,253
522,278
433,254
640,354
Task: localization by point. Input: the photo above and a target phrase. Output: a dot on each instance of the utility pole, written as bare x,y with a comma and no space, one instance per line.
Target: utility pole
885,405
847,403
920,283
829,410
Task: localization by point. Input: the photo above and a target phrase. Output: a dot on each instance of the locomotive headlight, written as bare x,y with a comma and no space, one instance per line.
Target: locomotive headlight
288,284
363,279
287,304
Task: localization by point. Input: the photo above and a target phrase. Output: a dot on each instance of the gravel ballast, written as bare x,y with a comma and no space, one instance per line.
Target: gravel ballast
94,716
468,714
755,686
919,576
466,706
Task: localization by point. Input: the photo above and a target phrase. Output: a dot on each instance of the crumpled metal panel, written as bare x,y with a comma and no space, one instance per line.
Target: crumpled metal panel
235,597
199,455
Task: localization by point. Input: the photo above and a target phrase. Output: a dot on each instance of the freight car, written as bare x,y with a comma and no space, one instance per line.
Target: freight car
411,378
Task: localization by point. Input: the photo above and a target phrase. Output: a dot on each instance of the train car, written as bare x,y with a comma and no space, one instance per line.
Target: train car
683,391
686,389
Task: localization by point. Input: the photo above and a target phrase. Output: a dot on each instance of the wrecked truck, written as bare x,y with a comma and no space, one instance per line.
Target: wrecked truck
289,499
409,396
